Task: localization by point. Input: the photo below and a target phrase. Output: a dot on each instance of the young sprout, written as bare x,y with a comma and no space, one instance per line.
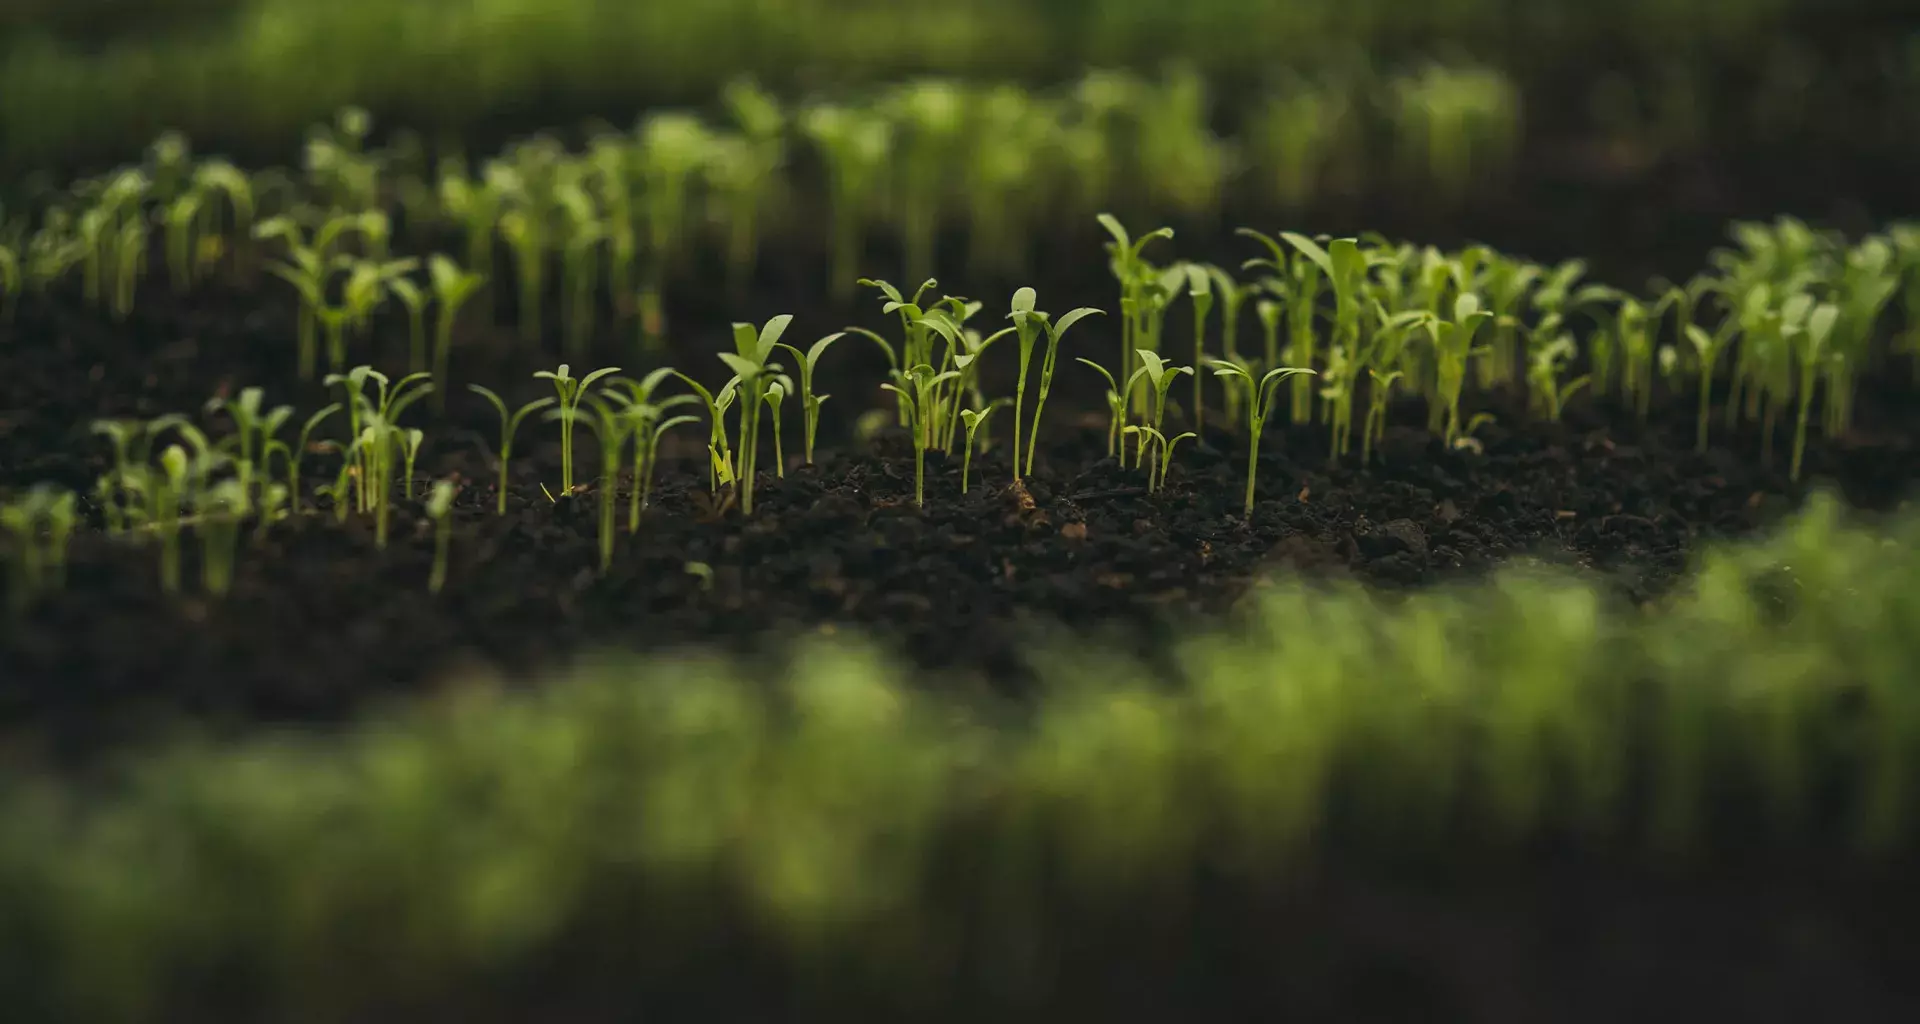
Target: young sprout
1136,279
1159,377
1055,331
173,486
218,511
1379,394
584,234
613,429
509,426
1708,347
569,392
1232,296
294,455
415,299
374,433
1453,346
439,509
924,404
854,145
1296,284
975,419
648,428
410,441
1157,469
132,262
1260,396
809,401
180,217
1200,291
1028,325
1116,407
775,394
452,287
749,363
719,457
1811,346
10,283
41,523
307,273
1546,363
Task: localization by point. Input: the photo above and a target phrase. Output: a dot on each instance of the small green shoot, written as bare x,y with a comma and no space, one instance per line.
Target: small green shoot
569,392
974,419
810,402
439,509
1260,397
923,401
1810,345
452,287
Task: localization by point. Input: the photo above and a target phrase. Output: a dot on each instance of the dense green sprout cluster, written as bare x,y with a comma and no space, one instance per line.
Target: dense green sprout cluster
1767,706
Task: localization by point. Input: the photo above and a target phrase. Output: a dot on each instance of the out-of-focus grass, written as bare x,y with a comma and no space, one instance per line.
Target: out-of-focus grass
823,810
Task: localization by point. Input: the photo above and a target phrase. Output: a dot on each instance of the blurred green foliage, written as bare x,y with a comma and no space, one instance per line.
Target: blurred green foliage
80,81
1771,704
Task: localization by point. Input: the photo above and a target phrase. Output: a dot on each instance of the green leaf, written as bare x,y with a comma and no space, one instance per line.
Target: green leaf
1311,250
1072,317
1024,299
1112,385
742,366
770,334
819,348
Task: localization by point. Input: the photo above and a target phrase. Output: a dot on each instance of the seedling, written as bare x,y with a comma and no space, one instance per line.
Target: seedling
1055,332
132,262
219,509
924,404
1116,407
584,233
719,457
1548,361
1260,396
1163,445
10,283
1159,376
1200,291
1232,296
1379,394
307,273
452,287
1028,327
613,429
415,299
253,433
648,428
439,509
569,392
810,402
1708,347
40,523
298,452
1136,278
374,434
1453,346
180,217
749,363
775,394
1296,282
509,426
1810,345
855,145
975,419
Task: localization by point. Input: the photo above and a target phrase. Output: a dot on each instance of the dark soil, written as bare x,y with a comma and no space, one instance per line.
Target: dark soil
320,622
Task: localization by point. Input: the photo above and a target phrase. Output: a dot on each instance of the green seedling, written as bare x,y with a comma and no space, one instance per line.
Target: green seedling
509,426
613,430
1136,278
1810,345
10,283
219,179
748,361
1260,396
855,145
415,299
1163,445
648,429
1055,332
374,434
298,452
1116,407
122,435
307,273
775,394
1546,364
174,485
1159,376
810,402
569,392
218,511
1200,292
583,234
410,441
1232,298
1296,283
452,287
1379,394
1708,348
131,263
1453,347
180,217
439,509
924,402
1029,325
719,456
40,524
974,419
744,170
476,204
